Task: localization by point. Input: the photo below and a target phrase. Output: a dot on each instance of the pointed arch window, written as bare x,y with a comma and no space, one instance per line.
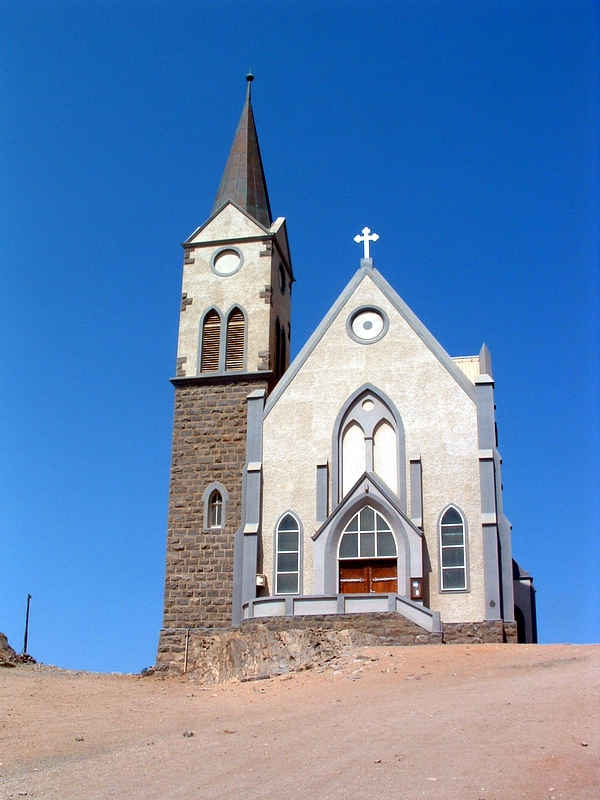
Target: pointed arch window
235,340
453,550
215,510
211,342
353,455
287,545
369,440
214,500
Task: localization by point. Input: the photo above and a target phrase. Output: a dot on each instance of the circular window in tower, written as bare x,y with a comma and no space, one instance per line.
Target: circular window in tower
226,261
367,324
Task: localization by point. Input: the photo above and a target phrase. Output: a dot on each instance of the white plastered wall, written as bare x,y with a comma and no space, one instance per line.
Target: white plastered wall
440,424
243,287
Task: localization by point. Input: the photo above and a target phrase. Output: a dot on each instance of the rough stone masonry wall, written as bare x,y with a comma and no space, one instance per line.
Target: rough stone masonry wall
489,632
381,628
209,444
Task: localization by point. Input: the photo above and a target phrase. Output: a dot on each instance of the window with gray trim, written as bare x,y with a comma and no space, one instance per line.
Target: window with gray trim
368,442
287,574
215,509
211,342
234,340
452,550
215,498
222,341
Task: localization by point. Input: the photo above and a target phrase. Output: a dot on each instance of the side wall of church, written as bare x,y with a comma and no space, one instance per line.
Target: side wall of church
209,444
440,425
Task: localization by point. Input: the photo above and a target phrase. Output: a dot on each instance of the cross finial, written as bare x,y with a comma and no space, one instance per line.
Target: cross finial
366,238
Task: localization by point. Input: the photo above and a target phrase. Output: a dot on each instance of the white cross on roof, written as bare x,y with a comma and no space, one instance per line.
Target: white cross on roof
366,238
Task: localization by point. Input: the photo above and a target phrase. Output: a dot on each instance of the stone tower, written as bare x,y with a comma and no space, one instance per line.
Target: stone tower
234,339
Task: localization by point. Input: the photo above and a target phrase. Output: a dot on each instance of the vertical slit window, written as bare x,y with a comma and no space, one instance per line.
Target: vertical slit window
234,343
215,510
452,549
211,341
287,578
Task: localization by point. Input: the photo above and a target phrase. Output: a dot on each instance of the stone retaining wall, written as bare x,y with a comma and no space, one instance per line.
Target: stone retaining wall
489,632
386,628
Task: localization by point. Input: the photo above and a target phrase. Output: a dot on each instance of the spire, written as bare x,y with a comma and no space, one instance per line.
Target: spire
243,180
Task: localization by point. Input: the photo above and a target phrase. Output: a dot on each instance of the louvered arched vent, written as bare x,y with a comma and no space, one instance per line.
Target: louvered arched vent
234,345
211,336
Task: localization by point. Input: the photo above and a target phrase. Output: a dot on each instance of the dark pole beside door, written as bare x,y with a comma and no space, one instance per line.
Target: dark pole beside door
26,626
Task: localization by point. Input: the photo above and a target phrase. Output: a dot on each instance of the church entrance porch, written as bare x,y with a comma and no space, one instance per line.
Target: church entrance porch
368,577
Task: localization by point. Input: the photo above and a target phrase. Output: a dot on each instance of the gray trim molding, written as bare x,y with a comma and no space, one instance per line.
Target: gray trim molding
224,377
322,492
224,249
352,316
466,543
224,498
246,539
300,553
368,428
485,360
416,492
408,315
491,573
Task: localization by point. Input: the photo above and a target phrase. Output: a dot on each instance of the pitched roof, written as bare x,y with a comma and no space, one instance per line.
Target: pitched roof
366,270
243,181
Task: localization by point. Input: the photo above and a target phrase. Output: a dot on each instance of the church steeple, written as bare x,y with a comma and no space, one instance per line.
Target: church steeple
243,180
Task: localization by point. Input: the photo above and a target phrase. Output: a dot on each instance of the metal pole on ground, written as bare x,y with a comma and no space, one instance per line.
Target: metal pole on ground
26,626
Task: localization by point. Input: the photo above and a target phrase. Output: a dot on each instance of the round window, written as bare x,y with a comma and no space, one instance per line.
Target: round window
367,325
226,262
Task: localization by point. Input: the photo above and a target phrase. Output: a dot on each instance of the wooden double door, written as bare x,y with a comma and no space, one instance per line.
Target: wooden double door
369,576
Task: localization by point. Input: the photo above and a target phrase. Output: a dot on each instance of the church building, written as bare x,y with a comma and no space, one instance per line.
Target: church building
359,484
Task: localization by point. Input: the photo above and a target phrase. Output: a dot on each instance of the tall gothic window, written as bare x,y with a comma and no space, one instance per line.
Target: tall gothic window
211,342
234,342
368,442
287,574
215,510
452,550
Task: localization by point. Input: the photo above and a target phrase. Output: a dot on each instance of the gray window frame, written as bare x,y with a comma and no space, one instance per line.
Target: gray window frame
300,554
206,494
467,586
218,252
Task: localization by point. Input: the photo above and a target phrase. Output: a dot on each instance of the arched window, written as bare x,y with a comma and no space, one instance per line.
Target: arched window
287,572
353,455
214,501
452,550
368,437
211,342
215,510
234,342
367,535
385,459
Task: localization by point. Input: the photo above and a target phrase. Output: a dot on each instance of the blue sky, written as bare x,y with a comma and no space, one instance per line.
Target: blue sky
464,133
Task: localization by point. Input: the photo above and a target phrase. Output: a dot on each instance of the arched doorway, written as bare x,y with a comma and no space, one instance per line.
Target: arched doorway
367,555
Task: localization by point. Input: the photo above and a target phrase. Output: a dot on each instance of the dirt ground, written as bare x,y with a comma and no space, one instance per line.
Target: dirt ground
487,721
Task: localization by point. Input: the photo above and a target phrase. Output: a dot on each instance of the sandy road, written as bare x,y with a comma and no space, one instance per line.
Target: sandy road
490,721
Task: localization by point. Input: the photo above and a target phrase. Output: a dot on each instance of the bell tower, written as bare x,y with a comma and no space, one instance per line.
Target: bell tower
234,337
